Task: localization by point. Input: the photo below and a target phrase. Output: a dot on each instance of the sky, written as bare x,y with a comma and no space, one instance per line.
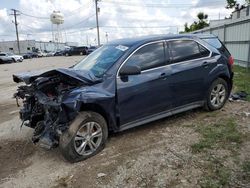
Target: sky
117,18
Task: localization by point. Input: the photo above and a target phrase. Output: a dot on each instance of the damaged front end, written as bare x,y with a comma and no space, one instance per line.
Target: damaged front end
42,103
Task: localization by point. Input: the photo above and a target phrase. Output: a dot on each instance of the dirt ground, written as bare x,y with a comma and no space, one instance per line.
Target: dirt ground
158,154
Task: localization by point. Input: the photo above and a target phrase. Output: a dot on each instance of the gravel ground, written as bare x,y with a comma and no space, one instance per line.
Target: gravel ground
154,155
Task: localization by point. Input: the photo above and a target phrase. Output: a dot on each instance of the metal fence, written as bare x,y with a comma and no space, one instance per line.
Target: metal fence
236,36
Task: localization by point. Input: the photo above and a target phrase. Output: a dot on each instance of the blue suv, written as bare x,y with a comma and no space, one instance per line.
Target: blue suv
123,84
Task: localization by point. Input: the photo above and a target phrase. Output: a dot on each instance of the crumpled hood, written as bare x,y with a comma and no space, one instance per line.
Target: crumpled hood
80,75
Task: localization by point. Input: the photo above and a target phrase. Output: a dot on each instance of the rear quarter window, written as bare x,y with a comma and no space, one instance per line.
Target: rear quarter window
216,43
185,50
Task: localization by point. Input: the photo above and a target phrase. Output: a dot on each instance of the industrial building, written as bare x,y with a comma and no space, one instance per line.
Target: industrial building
234,33
33,45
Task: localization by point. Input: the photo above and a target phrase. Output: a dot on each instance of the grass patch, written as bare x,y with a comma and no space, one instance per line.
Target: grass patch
216,177
246,170
242,80
224,135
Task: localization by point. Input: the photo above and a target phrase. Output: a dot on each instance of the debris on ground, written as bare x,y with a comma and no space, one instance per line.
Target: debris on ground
99,175
241,95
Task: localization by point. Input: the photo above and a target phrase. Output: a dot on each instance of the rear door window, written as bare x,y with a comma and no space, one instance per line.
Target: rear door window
185,50
149,56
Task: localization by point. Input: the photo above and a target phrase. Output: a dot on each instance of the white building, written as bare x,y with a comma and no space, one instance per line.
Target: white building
32,45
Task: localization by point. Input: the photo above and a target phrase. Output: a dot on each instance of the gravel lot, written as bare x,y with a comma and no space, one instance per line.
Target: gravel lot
158,154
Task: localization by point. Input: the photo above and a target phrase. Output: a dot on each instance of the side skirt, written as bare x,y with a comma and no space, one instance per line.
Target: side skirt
161,115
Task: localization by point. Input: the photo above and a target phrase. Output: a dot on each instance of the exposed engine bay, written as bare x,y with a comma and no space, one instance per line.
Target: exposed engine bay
42,104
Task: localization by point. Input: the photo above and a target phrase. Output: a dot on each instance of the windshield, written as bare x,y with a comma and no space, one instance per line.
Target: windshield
101,59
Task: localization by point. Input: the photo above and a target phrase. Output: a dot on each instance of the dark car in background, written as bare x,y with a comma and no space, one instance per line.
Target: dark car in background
30,55
91,49
60,53
123,84
81,50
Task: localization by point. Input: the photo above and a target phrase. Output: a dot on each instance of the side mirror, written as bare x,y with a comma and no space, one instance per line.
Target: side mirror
130,70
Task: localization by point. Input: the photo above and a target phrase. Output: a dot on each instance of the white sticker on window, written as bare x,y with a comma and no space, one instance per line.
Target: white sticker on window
121,47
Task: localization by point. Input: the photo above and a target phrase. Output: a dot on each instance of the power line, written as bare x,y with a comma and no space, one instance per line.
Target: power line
86,19
143,27
76,11
157,5
38,17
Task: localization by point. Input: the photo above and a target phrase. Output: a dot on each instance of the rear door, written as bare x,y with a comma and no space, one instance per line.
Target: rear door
190,64
146,94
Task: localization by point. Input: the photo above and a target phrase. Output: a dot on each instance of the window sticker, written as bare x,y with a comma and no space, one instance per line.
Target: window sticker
121,47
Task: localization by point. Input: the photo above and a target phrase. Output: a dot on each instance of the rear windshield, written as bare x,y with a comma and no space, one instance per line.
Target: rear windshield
215,42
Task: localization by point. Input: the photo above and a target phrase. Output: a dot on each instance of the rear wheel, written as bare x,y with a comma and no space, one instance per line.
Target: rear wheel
217,95
85,137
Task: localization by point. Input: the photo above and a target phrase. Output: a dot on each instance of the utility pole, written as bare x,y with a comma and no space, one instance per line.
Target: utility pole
17,37
97,21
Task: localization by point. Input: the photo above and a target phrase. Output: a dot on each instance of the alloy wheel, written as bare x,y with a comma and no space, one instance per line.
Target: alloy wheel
88,138
218,95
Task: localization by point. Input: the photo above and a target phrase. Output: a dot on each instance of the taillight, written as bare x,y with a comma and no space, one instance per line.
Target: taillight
231,61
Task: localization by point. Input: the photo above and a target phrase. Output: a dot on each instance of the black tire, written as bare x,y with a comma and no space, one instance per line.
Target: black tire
209,105
13,59
67,139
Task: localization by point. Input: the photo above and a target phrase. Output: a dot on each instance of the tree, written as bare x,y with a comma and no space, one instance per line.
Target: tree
234,4
202,16
231,4
202,22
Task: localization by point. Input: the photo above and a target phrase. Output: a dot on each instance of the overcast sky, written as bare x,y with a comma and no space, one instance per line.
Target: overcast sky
118,18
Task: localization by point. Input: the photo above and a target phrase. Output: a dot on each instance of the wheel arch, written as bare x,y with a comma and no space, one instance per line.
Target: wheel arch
228,80
96,108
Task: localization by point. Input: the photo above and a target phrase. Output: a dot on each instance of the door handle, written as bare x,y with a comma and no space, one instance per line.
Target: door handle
163,75
205,64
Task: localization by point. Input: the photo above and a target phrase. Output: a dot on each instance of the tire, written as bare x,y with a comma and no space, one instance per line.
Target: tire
66,54
217,95
76,143
81,53
13,59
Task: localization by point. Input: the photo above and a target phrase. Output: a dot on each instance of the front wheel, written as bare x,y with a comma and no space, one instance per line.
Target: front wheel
217,95
85,137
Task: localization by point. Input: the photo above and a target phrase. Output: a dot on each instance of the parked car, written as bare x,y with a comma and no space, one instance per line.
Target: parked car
15,58
59,53
49,54
30,55
4,59
41,54
76,51
121,85
91,49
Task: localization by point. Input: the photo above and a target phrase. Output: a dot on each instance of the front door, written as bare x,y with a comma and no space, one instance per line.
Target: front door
146,94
